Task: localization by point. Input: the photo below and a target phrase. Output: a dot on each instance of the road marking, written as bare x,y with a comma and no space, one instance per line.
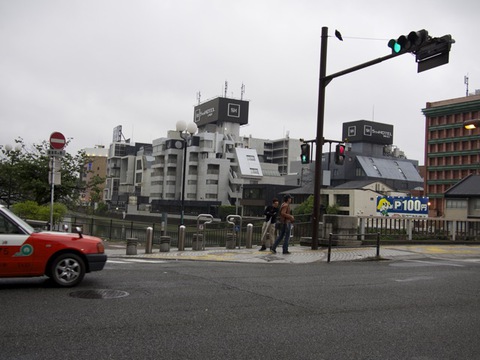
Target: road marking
441,263
133,261
415,278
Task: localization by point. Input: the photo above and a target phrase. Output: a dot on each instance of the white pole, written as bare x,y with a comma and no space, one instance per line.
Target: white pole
52,192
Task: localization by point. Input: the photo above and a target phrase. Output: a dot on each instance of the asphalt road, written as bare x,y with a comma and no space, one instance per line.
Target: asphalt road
405,309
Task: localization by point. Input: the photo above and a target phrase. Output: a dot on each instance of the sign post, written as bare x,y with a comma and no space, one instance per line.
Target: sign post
57,143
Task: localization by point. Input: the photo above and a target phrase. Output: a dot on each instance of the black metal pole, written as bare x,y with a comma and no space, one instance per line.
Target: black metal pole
378,245
319,138
185,144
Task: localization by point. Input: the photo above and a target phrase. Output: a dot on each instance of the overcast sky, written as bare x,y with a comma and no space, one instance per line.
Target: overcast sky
82,67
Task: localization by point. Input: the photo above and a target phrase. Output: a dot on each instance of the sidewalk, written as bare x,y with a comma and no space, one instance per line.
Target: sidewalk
301,254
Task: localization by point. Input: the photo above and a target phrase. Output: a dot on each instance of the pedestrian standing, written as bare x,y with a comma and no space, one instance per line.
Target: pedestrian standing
268,227
286,219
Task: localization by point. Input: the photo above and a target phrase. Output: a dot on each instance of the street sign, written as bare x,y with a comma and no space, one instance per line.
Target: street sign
57,153
57,141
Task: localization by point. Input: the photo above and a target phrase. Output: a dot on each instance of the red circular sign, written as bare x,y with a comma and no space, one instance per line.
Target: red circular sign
57,141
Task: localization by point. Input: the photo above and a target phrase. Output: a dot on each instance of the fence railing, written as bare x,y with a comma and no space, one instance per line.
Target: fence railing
215,233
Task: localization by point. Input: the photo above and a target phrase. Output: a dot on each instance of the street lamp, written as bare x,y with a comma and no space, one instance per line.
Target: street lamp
471,124
9,148
186,132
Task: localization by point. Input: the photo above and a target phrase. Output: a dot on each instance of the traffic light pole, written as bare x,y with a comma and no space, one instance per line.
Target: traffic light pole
323,82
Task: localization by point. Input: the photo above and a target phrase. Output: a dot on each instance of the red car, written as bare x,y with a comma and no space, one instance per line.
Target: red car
63,257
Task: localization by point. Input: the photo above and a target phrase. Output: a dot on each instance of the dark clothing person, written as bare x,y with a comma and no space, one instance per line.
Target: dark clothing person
268,227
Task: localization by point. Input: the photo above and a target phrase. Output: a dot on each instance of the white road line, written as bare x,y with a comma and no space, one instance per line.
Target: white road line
132,261
436,263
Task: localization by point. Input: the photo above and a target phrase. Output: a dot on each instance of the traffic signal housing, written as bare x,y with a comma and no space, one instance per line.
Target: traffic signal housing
409,43
339,154
305,153
429,52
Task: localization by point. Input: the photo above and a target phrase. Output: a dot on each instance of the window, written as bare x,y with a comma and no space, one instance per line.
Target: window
342,199
207,144
7,227
476,204
213,169
172,159
456,204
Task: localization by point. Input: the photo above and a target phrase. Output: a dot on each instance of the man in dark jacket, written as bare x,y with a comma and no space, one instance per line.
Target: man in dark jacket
268,227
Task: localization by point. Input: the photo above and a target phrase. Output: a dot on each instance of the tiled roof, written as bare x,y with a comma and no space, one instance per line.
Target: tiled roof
468,186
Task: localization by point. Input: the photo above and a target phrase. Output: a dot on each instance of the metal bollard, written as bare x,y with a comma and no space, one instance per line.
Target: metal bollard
149,243
248,244
181,238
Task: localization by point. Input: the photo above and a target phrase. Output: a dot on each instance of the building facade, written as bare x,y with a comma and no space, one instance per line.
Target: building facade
216,164
94,171
451,151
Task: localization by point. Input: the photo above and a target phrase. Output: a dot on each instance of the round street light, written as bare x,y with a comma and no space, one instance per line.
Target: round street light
186,132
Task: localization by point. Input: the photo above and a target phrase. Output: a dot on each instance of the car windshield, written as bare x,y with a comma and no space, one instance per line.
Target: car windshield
10,216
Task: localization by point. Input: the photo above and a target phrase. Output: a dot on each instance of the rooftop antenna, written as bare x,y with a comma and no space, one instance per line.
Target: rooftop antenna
199,95
242,91
226,87
465,81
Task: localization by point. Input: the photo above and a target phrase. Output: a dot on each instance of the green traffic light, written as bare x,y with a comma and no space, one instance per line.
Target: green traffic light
395,46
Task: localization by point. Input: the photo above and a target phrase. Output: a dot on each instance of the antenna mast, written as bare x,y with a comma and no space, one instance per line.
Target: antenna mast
242,91
199,95
226,87
465,81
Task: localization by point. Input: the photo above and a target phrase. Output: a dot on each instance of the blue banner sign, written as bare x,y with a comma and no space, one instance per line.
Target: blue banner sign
402,206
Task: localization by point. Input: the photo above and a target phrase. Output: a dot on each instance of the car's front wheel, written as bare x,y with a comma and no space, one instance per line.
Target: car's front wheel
67,270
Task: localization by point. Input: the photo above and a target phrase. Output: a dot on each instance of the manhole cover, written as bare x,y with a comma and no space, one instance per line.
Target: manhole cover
99,294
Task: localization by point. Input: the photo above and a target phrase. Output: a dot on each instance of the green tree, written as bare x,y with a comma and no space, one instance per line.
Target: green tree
305,208
24,175
333,209
225,210
32,211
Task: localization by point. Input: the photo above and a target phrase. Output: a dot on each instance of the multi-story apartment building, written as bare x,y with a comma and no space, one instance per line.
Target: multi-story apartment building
128,172
451,151
218,162
282,152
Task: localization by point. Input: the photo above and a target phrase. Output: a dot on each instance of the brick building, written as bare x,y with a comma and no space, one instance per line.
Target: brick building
451,151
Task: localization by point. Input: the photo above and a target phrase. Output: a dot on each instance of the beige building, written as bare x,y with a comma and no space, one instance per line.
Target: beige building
96,166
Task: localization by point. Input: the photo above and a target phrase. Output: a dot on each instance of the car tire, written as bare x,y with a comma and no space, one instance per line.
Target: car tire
67,270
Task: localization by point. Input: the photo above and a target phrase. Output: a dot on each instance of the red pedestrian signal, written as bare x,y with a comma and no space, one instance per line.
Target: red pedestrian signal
339,154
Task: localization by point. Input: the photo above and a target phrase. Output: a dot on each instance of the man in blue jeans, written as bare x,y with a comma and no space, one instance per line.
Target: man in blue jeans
286,219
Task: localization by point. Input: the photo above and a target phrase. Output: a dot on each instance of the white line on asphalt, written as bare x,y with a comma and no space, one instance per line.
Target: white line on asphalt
441,263
132,261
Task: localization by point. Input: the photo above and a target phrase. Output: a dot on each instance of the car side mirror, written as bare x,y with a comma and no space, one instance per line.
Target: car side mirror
78,229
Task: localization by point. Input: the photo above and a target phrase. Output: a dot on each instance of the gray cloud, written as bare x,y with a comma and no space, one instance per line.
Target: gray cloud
83,67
